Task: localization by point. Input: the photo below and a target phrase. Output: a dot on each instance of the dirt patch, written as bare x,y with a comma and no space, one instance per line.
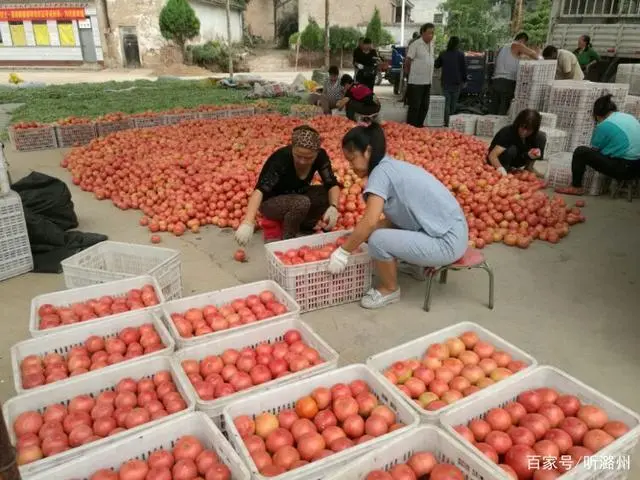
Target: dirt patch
181,70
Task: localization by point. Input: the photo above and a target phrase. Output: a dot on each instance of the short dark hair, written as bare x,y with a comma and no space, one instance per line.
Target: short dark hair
333,70
367,41
453,43
426,27
522,36
358,139
549,52
528,118
346,79
604,106
415,35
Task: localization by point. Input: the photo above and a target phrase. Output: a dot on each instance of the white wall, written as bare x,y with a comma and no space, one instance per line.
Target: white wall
213,23
423,10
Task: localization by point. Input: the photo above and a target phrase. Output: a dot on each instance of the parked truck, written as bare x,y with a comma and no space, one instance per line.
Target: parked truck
613,25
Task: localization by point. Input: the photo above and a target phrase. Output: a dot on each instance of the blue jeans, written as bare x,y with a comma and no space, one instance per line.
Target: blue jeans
451,96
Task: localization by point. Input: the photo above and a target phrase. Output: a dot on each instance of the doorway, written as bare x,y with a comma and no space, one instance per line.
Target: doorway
87,43
130,47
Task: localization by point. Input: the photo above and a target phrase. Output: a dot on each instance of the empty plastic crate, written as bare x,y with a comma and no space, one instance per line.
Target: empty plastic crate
15,250
107,261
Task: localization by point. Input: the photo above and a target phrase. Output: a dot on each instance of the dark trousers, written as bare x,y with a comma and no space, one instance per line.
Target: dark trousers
511,159
451,96
418,101
297,211
355,107
616,168
502,93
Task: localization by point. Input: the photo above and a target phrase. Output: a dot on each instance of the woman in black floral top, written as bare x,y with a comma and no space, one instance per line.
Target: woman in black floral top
284,192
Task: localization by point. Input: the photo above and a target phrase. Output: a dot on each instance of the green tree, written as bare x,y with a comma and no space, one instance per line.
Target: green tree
536,22
312,37
178,22
480,24
343,38
376,32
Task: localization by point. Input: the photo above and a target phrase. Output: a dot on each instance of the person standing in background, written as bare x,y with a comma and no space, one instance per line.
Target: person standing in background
332,92
568,67
365,60
419,65
454,75
506,71
587,56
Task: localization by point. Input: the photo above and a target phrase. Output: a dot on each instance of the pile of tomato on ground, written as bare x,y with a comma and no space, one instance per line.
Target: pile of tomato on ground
201,172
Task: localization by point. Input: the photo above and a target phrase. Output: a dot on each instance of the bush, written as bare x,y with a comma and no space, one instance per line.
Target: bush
211,54
178,22
378,35
293,39
312,37
343,38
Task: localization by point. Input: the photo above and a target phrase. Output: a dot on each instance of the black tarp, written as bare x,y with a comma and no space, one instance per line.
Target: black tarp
49,213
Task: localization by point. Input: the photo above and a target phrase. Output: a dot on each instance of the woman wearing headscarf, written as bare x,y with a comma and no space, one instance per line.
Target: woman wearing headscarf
284,192
423,223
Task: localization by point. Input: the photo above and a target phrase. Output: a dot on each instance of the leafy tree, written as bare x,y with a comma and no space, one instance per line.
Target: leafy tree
178,22
376,32
480,24
312,37
343,38
536,22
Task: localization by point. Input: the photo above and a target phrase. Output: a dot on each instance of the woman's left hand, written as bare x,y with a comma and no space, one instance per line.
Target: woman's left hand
338,261
330,217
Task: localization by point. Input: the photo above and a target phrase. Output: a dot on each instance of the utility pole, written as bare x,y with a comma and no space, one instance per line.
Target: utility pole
229,38
8,466
327,49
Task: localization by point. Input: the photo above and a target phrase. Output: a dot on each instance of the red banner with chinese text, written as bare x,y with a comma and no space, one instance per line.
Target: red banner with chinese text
21,14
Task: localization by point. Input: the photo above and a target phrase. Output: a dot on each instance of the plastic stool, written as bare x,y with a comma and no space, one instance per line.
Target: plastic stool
472,258
630,187
271,230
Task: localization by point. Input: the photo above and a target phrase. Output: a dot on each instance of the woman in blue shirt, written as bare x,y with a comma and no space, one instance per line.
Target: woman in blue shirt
614,150
423,223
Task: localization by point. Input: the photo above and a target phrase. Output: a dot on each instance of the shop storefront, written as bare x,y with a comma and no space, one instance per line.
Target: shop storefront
41,36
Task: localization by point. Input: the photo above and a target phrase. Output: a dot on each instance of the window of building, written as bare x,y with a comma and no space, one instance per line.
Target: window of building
397,17
18,36
65,33
41,33
438,18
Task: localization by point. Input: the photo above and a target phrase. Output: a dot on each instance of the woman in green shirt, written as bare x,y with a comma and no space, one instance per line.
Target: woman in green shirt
587,56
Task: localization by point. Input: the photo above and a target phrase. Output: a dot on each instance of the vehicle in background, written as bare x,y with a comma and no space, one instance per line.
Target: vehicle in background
613,25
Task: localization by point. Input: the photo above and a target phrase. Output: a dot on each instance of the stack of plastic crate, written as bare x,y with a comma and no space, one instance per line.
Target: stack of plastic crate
549,120
572,103
629,73
489,125
15,251
619,92
556,140
5,180
463,123
435,116
559,175
632,106
533,76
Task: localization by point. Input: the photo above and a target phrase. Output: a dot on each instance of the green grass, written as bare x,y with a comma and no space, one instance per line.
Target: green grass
55,102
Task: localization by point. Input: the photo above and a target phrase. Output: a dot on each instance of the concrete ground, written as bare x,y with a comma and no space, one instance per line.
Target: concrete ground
572,305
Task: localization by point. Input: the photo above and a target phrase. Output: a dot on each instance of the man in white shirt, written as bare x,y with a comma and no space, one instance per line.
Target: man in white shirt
568,67
419,65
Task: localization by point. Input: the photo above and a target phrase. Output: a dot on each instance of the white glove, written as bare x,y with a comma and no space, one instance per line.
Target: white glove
502,171
338,261
359,66
244,233
330,217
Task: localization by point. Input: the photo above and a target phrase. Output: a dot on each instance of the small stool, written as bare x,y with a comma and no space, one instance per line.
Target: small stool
472,258
271,229
630,187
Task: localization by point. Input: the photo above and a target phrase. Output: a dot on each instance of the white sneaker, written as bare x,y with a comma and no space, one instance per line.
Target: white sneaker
373,299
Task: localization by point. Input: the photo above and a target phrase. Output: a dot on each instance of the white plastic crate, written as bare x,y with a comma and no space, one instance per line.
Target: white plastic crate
222,297
416,349
63,298
5,181
310,284
558,174
557,141
549,120
435,114
632,106
284,397
64,341
489,125
90,385
271,332
427,438
241,112
15,249
108,261
463,123
545,376
629,73
147,441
